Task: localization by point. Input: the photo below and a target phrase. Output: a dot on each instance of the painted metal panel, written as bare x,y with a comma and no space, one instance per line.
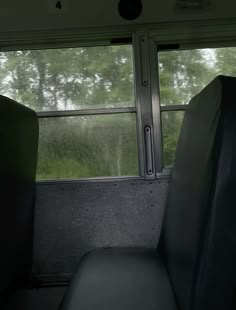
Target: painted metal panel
72,218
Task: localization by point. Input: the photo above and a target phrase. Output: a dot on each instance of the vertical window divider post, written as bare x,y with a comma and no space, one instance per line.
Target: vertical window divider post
144,105
156,106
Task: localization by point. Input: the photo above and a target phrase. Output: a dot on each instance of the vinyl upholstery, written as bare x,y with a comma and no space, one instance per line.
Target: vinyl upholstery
18,157
198,242
195,268
120,279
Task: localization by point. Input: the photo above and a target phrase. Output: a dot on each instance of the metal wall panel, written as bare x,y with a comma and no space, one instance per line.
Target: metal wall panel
72,218
43,15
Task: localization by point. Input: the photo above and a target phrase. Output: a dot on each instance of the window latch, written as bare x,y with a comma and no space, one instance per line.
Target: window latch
148,149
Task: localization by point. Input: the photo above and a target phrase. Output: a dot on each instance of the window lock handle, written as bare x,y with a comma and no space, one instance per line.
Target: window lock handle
148,150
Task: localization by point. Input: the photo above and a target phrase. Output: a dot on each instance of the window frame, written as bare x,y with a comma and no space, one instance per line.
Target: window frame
180,38
169,107
145,42
93,112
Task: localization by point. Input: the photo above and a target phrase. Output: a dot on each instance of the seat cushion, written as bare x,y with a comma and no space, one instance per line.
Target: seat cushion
120,279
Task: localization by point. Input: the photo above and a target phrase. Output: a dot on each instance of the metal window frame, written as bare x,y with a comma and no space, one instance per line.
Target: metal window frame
76,41
99,111
219,30
146,78
156,108
147,108
217,33
145,125
85,112
184,35
159,108
174,107
176,41
89,112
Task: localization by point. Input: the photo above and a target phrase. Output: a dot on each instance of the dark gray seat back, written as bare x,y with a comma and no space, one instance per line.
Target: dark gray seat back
198,241
18,157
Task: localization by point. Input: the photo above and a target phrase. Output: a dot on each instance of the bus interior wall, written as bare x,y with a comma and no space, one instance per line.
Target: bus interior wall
72,218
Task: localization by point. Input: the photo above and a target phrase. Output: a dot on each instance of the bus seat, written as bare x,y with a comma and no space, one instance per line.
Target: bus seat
194,266
198,243
18,157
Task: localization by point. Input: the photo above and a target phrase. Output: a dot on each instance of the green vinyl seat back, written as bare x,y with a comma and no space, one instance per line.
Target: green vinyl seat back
18,159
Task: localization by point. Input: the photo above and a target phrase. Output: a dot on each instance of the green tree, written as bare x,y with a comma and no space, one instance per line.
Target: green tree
102,77
75,78
182,75
59,79
225,61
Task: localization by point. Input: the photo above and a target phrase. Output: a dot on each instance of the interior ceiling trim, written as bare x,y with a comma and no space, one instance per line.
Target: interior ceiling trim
163,32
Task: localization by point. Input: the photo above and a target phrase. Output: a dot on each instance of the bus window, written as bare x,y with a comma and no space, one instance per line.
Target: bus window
182,74
85,101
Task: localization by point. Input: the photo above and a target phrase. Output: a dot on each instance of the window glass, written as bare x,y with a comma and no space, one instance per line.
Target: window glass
90,144
184,73
171,125
69,78
87,146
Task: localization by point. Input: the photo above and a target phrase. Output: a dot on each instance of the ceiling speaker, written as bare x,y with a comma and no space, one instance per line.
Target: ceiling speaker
130,9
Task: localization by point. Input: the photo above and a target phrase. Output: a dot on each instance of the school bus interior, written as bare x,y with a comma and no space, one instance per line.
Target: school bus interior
118,161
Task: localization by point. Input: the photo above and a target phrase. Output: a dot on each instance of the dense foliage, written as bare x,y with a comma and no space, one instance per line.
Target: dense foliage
182,75
101,77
